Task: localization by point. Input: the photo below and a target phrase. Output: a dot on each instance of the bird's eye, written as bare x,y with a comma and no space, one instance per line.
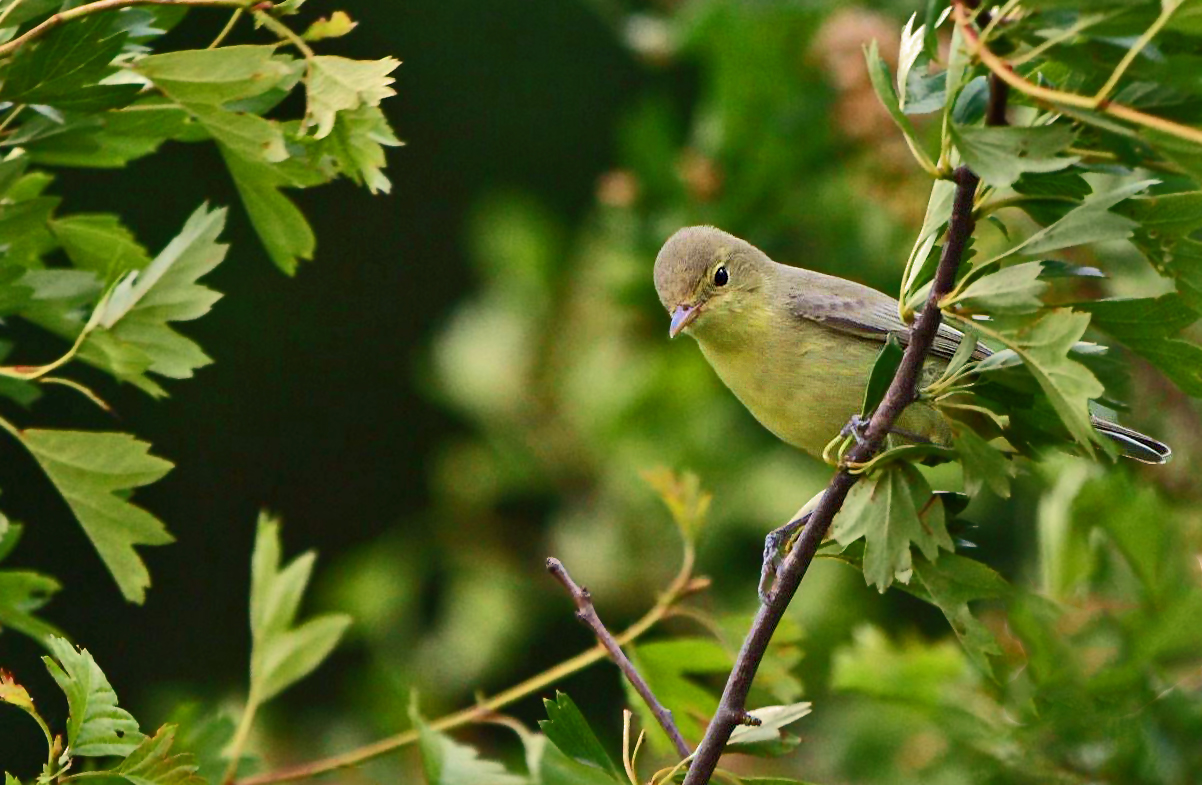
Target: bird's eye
721,276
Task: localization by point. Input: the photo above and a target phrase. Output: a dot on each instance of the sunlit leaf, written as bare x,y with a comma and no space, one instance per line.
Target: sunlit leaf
682,493
769,737
335,25
338,84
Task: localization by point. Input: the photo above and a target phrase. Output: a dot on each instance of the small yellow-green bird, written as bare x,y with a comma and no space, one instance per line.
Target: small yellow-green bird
796,346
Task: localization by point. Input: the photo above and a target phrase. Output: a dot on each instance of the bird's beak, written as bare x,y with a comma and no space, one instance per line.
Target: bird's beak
682,317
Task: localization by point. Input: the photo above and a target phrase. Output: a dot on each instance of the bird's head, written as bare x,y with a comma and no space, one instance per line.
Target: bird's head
705,277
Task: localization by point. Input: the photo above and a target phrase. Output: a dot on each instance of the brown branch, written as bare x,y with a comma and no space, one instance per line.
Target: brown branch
902,391
587,614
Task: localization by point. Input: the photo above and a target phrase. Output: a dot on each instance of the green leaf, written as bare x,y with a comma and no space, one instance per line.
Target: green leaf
953,582
1091,222
152,764
1151,327
684,497
336,25
241,134
891,509
1186,154
136,335
216,76
768,738
99,242
124,136
283,653
882,83
63,68
1059,190
1014,289
93,471
357,144
914,673
96,725
1044,344
446,762
567,729
1001,155
1165,223
883,370
548,765
23,592
338,84
281,227
671,668
985,466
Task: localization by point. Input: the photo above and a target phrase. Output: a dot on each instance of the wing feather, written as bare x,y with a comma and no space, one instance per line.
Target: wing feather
859,310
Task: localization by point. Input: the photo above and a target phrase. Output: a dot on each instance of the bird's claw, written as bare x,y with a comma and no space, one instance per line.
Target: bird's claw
856,428
776,544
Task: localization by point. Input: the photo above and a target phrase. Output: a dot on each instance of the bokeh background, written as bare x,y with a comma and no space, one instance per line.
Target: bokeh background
475,369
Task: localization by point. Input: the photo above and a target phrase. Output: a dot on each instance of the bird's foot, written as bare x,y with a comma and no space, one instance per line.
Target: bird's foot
856,428
776,545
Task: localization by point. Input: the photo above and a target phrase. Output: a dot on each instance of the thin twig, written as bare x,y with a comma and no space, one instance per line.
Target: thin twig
683,585
588,614
229,28
1161,20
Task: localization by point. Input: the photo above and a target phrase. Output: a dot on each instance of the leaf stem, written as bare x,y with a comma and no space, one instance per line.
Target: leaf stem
229,26
683,585
99,6
241,735
285,33
587,614
1047,95
1162,19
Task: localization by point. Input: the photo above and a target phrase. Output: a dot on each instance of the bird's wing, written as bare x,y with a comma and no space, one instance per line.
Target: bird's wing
859,310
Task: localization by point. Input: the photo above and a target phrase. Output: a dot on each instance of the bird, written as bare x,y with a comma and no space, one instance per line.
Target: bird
796,346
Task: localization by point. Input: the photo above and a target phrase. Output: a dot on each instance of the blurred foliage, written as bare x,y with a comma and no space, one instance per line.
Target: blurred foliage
558,369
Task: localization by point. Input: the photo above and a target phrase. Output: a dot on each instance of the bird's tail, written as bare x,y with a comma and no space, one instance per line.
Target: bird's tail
1134,444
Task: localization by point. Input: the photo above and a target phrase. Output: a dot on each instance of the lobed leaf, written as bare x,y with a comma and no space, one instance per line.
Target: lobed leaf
339,84
446,762
283,653
1001,155
152,764
96,725
566,728
93,472
891,509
